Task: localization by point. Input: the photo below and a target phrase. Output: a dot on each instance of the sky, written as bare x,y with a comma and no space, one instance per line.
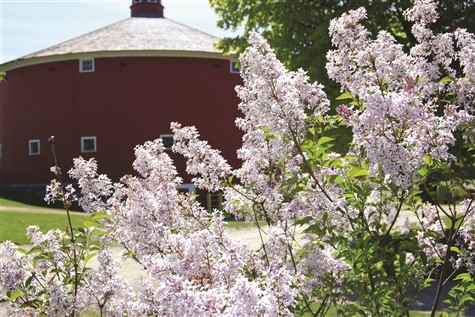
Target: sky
27,26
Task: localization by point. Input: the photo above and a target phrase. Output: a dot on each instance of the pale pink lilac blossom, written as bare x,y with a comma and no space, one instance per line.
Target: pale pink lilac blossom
202,159
95,188
467,235
43,278
397,122
466,55
276,104
185,251
13,269
318,262
106,288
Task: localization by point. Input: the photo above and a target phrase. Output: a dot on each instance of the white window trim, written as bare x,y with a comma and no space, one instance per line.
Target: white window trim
81,64
189,187
85,138
30,142
233,68
162,136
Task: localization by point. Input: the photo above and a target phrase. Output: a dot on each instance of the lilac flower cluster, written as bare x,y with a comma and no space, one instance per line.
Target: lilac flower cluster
194,268
40,276
202,159
399,115
277,106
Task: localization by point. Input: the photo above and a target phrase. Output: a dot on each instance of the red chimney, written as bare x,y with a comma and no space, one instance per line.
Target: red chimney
146,9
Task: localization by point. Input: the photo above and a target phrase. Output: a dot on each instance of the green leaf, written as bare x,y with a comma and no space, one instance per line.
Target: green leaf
423,171
418,79
428,160
311,229
89,257
35,249
29,280
446,79
335,179
98,215
356,172
97,232
345,96
303,221
455,249
22,251
324,139
468,298
442,192
464,277
129,254
90,224
15,295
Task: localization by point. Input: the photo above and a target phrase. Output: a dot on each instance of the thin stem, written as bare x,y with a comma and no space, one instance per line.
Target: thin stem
323,306
443,272
397,214
66,205
259,229
314,178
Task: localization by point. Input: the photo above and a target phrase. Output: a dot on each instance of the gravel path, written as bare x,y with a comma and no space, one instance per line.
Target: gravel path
49,211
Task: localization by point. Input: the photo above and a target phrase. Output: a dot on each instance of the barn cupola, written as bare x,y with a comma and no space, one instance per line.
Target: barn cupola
146,9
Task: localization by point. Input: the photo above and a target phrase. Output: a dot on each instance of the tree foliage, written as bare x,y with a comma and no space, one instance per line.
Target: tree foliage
298,32
298,29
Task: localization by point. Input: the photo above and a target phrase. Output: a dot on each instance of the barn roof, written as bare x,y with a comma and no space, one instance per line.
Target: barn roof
146,33
136,34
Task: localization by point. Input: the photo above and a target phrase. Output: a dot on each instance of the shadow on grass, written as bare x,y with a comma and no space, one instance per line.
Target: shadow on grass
26,194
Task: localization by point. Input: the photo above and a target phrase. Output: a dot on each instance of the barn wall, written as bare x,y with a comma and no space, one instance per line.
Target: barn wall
124,102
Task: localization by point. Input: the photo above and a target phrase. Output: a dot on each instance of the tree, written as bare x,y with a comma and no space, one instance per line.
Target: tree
298,29
298,32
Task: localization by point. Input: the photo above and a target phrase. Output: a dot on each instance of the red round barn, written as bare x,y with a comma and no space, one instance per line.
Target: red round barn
102,93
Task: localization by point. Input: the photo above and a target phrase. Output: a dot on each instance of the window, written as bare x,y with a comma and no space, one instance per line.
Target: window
34,147
168,140
88,144
1,150
187,188
152,1
86,65
137,1
234,67
214,201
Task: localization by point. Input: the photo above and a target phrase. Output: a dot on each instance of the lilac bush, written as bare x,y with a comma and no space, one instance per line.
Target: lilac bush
332,225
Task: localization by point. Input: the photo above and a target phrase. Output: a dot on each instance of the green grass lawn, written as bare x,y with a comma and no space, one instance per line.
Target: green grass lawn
5,204
13,223
11,203
233,224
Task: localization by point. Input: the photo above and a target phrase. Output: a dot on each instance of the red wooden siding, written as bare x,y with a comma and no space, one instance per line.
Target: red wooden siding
124,102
